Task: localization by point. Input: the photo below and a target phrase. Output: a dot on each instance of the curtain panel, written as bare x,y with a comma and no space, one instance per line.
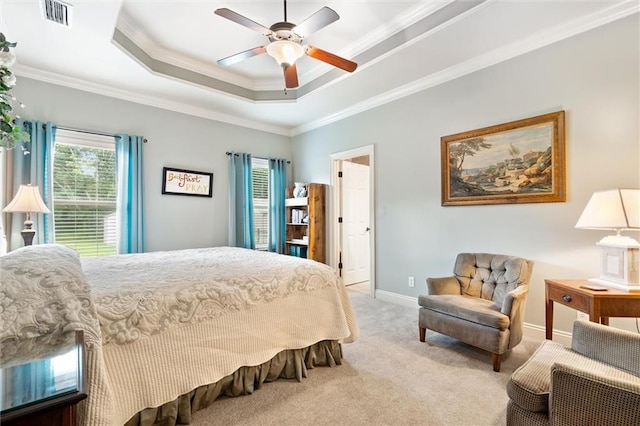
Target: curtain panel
30,382
130,197
240,201
277,195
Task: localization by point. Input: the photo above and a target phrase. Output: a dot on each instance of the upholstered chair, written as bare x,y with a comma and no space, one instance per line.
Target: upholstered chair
482,304
594,382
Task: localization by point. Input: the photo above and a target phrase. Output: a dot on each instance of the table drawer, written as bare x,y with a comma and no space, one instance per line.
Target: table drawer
570,298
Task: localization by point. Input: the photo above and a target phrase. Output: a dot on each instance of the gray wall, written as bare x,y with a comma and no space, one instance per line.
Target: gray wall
175,140
593,77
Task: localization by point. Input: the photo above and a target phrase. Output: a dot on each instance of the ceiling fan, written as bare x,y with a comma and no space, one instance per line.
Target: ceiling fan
286,42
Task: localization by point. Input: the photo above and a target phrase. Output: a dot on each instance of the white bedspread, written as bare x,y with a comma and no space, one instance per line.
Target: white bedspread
172,321
146,294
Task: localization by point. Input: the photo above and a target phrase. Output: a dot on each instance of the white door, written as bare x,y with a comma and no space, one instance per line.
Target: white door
355,223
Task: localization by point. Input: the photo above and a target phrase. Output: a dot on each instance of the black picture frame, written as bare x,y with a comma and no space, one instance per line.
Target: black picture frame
187,182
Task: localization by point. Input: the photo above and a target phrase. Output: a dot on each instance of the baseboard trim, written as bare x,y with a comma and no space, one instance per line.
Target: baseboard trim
531,331
398,299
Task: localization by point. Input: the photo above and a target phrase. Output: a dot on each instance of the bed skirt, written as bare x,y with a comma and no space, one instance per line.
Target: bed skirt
288,364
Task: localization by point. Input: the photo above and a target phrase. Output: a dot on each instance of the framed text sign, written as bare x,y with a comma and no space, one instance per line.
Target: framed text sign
187,182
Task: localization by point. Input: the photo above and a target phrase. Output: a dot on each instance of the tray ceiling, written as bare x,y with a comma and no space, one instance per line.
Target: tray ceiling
164,53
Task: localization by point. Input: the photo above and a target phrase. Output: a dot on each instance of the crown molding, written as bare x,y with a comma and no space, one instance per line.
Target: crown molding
126,26
413,25
379,35
405,20
164,69
595,20
157,102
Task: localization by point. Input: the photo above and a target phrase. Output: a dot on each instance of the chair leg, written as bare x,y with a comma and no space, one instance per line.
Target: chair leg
496,358
422,333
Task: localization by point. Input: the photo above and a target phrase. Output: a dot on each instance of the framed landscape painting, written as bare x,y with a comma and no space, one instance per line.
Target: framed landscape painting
517,162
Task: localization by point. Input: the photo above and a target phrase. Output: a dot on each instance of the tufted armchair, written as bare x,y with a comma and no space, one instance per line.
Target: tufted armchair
594,382
482,304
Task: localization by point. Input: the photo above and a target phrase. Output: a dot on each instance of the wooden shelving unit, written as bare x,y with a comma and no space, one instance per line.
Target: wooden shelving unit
306,237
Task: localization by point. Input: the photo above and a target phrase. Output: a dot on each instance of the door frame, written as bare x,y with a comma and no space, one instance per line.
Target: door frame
334,203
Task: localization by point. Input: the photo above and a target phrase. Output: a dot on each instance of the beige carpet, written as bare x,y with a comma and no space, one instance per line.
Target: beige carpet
388,377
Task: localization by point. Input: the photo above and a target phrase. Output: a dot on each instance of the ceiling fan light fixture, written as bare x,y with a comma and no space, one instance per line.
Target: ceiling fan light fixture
285,52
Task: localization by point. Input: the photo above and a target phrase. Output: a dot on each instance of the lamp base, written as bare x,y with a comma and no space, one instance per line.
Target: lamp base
606,283
28,232
618,241
620,263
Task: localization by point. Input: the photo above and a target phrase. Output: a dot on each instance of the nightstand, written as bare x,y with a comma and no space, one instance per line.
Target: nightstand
600,305
44,380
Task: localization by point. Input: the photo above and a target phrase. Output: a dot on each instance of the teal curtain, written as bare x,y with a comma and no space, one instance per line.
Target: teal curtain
240,201
277,195
130,198
31,382
34,165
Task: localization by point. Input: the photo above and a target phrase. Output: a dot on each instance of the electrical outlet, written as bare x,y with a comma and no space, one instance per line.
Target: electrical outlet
412,282
582,316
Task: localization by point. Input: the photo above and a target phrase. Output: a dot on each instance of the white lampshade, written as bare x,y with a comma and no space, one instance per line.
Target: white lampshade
27,200
616,209
285,52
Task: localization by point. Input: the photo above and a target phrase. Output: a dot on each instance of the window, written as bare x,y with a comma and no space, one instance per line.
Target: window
260,187
84,192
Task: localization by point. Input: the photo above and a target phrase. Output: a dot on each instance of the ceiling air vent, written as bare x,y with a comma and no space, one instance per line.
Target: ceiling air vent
57,11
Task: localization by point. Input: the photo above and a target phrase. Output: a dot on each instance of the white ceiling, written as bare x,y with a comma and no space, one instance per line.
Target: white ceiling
163,53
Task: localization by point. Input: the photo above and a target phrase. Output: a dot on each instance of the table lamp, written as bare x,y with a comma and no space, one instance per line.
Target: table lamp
617,210
28,201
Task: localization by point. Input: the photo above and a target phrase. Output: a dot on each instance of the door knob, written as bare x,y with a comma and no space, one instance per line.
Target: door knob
367,229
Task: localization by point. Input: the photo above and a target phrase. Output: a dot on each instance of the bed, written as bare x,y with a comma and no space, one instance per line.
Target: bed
168,332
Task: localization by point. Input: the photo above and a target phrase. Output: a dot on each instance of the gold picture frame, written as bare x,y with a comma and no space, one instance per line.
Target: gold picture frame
518,162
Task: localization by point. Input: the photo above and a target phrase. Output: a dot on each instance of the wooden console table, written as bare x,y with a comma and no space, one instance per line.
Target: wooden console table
600,305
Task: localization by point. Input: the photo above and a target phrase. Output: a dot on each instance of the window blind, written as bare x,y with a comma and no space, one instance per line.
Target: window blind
260,186
84,196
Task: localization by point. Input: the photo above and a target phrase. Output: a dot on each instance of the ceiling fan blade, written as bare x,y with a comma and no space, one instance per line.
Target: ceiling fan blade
239,19
318,20
291,77
330,58
230,60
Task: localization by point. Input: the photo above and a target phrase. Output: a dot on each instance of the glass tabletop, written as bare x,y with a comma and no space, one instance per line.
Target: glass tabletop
36,370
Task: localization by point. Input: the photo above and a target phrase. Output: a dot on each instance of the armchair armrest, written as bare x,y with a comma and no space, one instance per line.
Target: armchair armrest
514,300
445,285
595,396
618,348
513,306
